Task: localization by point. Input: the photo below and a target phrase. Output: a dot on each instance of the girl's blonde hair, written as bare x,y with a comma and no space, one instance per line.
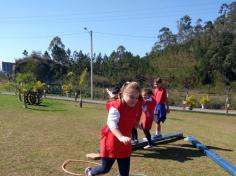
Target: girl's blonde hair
129,85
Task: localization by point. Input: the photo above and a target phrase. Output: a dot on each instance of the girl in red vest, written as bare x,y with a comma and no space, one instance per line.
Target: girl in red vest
148,108
162,106
115,136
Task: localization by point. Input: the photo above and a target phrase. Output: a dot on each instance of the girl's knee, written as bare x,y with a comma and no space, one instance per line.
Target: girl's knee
106,169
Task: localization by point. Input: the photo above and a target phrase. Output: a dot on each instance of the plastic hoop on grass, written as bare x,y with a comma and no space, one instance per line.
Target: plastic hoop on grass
73,161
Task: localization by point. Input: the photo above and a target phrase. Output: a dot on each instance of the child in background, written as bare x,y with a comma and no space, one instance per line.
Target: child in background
162,106
148,114
115,136
113,95
134,135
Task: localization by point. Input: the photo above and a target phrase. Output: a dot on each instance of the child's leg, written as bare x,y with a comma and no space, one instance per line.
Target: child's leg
148,136
124,165
134,134
159,128
157,118
104,167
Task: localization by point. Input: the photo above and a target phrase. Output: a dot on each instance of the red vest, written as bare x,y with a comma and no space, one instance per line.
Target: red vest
110,146
148,115
160,95
108,104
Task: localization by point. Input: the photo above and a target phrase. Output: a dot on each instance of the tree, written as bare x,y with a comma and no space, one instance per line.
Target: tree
24,82
198,28
185,30
56,41
166,37
58,52
82,84
120,51
46,56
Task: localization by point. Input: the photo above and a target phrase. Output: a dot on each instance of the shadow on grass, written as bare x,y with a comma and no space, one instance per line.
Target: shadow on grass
43,105
48,110
175,119
176,153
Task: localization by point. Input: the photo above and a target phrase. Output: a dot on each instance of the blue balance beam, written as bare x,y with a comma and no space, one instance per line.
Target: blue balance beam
230,168
154,139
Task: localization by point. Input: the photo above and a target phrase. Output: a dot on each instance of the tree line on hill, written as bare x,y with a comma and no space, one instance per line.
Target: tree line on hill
199,54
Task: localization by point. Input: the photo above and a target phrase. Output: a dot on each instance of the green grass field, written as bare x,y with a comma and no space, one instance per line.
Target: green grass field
36,141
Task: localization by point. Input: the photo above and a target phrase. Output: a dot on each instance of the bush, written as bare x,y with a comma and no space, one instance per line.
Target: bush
204,101
190,101
215,105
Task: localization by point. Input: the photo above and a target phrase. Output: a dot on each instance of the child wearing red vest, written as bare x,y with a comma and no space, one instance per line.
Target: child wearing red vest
115,135
162,106
113,95
149,104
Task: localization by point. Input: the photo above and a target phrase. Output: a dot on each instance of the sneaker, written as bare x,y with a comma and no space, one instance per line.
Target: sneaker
88,171
158,135
144,139
134,142
147,147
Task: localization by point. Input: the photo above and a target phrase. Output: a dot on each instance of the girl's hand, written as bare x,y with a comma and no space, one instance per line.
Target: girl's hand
126,140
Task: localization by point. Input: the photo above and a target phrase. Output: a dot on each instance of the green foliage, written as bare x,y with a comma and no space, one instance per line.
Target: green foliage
83,79
25,82
204,100
39,86
191,101
67,88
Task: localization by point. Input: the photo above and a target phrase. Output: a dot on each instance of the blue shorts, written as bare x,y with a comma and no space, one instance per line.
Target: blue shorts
160,113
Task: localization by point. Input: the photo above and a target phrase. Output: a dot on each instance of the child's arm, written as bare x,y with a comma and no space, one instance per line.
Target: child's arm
112,121
121,138
167,104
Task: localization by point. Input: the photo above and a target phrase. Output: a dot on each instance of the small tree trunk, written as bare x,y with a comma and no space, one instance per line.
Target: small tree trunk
24,100
76,96
19,97
81,101
44,93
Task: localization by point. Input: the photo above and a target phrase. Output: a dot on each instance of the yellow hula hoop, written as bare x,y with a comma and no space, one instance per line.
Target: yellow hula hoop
73,161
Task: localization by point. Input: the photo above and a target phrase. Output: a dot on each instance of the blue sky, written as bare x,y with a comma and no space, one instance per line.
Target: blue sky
31,24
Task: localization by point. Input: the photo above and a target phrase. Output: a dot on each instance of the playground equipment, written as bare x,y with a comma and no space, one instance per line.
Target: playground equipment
230,168
72,161
142,143
81,161
33,98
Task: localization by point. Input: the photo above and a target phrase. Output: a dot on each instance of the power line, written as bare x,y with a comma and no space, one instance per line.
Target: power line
125,35
79,33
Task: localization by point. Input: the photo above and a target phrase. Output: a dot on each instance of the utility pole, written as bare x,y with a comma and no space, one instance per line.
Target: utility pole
91,59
